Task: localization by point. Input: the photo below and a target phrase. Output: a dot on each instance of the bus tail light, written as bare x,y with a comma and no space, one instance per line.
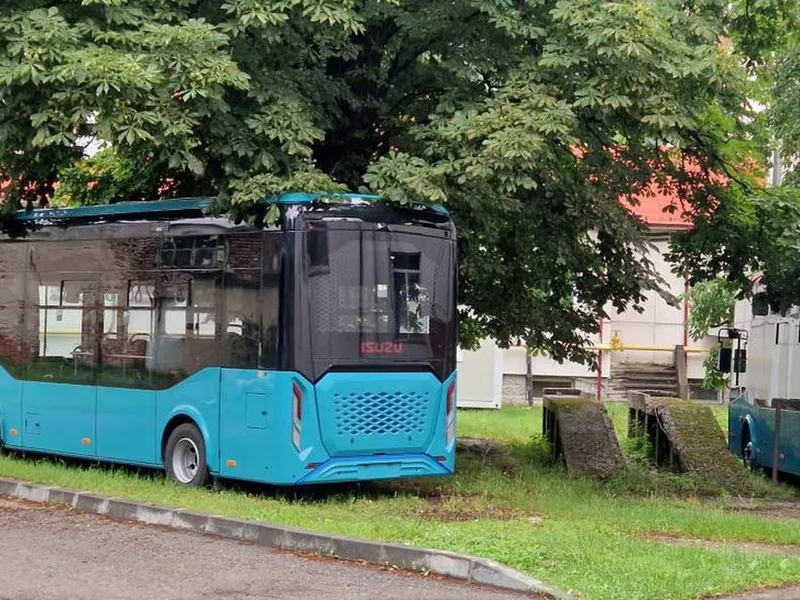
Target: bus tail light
297,414
450,423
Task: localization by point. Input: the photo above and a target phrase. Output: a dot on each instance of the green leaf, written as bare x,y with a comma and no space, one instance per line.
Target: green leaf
529,120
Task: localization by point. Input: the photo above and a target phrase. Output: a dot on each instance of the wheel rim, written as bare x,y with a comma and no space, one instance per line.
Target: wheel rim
185,460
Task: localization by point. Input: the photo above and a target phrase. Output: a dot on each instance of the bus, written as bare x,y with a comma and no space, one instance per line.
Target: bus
764,414
319,348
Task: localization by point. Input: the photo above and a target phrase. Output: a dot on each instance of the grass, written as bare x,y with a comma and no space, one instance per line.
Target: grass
511,424
519,423
513,506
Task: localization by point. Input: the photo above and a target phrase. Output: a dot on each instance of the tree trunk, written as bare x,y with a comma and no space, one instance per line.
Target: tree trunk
528,377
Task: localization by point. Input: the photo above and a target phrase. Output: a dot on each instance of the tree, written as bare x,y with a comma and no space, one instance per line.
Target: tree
530,120
712,303
757,229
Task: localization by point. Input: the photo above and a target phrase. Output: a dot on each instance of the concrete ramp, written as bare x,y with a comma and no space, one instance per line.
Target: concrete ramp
686,436
582,435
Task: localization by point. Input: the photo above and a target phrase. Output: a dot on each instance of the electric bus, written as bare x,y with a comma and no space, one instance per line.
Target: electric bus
318,348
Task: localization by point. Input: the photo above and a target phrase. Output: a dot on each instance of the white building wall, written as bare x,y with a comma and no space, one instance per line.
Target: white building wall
659,328
480,377
660,325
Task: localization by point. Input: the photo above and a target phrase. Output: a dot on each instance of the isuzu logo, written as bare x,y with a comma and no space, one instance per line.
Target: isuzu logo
381,348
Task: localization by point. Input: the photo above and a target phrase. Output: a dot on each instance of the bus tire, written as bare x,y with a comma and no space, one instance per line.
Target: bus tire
185,456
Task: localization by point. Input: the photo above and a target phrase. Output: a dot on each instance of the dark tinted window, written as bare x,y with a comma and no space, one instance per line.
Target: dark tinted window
159,325
142,312
760,305
61,310
252,282
65,313
192,252
383,298
13,343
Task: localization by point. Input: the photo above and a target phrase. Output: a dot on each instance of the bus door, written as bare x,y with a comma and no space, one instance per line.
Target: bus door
255,399
126,397
59,394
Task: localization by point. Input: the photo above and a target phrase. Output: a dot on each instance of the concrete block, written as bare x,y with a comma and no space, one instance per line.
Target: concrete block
190,520
449,565
360,550
404,557
265,534
491,573
144,513
8,487
227,527
32,492
122,509
154,515
91,503
61,496
306,541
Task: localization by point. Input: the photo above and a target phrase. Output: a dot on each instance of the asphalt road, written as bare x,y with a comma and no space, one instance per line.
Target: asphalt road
55,553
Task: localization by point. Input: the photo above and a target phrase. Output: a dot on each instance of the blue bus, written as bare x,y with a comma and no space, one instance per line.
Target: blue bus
318,349
764,415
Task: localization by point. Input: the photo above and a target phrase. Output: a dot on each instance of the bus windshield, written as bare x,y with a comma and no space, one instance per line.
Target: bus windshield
379,295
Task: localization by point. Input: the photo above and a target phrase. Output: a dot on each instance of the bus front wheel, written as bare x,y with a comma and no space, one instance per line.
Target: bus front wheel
185,456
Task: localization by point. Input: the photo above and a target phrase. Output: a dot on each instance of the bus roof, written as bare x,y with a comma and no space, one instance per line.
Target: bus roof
179,205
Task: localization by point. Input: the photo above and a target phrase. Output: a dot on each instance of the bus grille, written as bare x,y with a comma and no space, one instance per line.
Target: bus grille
379,413
382,413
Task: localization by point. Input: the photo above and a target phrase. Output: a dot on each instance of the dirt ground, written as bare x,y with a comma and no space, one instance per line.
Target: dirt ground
55,553
771,510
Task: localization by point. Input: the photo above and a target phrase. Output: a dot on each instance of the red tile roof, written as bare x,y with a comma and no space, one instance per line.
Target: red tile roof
651,209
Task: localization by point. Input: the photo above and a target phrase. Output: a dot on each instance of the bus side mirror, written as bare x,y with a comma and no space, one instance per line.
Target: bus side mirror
724,361
740,361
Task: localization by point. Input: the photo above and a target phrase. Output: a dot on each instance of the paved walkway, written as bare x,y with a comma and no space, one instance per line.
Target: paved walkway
53,553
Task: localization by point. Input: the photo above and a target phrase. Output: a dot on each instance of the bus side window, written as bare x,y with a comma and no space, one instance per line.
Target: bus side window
270,298
128,291
185,334
67,332
128,319
202,347
242,285
13,345
243,322
160,321
252,297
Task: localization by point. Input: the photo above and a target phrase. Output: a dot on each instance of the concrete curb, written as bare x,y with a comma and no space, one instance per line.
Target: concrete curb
449,564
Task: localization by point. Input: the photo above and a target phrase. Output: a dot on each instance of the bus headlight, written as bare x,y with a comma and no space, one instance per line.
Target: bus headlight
450,423
297,414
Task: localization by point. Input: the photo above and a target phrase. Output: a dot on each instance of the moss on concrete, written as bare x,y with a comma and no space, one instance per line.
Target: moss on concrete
588,442
699,442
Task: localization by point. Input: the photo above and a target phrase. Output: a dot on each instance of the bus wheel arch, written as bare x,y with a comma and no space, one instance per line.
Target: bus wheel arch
184,452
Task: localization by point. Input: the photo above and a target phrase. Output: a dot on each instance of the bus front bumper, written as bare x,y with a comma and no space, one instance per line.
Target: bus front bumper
370,468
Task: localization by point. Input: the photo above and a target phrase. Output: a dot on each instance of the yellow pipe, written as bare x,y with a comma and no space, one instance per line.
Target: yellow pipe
624,348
